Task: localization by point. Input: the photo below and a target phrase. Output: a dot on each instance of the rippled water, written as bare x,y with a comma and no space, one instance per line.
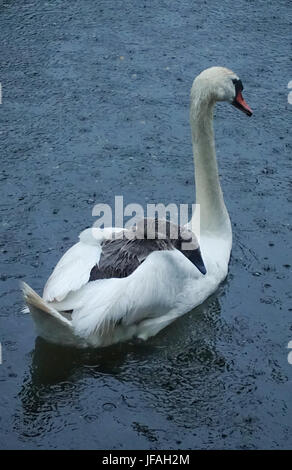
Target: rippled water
95,103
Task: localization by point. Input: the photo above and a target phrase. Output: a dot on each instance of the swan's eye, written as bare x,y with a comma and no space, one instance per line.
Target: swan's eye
238,85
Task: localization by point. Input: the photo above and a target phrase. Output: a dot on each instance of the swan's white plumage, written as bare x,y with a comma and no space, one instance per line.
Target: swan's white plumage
73,270
158,291
166,285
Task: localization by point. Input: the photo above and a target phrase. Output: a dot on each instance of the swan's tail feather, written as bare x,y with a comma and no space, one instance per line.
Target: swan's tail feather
50,323
34,301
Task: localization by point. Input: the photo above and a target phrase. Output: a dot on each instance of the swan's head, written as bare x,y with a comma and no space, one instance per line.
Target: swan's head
220,84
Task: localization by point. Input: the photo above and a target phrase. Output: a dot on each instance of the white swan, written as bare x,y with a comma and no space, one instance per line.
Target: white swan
102,292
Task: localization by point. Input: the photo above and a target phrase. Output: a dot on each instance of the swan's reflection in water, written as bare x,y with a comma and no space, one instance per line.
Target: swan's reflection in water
175,378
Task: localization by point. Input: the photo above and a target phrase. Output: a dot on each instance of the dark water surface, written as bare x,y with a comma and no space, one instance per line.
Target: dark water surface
95,104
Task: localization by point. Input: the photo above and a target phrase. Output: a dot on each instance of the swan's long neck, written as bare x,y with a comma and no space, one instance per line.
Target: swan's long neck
213,213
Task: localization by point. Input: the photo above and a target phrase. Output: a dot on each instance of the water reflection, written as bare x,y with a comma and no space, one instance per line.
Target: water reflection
52,364
177,373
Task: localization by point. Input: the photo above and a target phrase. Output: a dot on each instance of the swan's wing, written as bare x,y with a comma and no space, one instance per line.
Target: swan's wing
150,292
99,255
73,269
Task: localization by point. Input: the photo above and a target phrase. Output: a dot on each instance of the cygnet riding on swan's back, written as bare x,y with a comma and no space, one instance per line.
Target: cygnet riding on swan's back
104,289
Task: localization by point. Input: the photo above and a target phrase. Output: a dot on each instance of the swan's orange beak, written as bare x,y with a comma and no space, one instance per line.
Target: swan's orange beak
239,103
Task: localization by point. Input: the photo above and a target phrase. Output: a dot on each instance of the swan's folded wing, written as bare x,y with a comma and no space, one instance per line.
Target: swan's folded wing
72,271
152,290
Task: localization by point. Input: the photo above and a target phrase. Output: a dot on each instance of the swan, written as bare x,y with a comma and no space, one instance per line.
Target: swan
109,287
